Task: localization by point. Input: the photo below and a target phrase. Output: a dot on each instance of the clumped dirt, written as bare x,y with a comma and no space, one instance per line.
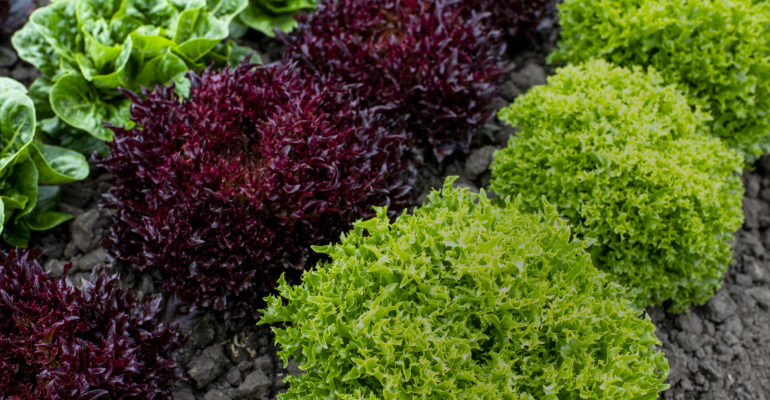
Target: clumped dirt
718,351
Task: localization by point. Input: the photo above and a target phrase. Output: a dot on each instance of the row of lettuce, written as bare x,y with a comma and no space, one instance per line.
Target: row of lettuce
228,178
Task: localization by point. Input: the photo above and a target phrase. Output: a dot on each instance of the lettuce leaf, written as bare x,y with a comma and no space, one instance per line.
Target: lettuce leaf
24,164
89,49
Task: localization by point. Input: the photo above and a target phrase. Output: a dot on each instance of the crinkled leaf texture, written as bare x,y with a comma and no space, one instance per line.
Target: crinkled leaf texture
718,51
463,300
627,162
434,68
224,191
57,342
267,15
26,163
89,48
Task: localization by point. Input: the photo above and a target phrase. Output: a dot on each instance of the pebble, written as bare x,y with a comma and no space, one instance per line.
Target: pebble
87,262
264,363
83,230
756,212
216,394
256,385
8,57
721,306
207,367
184,394
23,73
752,185
690,323
531,75
55,267
762,296
463,182
478,162
234,376
755,270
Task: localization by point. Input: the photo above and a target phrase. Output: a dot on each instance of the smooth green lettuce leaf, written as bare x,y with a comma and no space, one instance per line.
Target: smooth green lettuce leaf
78,104
57,165
24,164
266,15
88,49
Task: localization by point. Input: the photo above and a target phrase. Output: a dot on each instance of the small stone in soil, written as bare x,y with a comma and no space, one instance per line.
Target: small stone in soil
184,394
690,323
83,228
245,366
23,73
234,376
531,75
754,270
762,296
478,162
54,267
755,213
463,182
721,306
264,363
255,386
87,262
510,92
752,240
752,184
207,367
217,394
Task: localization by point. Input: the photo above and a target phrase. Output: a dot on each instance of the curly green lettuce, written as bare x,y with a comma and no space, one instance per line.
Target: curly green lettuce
717,51
25,164
88,49
628,163
463,300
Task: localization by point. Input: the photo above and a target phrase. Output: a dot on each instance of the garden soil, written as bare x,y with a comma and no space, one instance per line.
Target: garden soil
720,350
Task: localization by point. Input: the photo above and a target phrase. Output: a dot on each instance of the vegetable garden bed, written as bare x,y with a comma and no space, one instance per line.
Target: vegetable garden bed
720,350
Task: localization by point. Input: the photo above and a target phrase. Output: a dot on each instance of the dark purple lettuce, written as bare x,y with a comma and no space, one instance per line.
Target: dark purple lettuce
223,192
436,69
519,19
60,343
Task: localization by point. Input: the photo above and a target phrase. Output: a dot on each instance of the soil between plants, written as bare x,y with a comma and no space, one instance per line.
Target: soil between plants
720,350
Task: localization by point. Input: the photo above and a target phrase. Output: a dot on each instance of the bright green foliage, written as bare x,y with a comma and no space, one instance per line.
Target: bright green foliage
463,300
26,163
624,159
718,51
265,15
87,49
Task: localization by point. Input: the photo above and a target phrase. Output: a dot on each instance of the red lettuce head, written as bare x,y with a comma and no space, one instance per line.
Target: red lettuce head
434,68
60,343
223,192
519,19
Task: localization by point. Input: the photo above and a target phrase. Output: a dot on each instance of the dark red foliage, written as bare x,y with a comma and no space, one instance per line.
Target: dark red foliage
520,19
224,191
58,343
434,68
